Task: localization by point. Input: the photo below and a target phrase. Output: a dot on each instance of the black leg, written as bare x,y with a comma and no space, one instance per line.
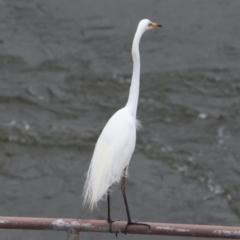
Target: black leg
108,202
109,219
130,222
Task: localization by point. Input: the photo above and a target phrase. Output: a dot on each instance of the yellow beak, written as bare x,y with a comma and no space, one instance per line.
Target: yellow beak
154,25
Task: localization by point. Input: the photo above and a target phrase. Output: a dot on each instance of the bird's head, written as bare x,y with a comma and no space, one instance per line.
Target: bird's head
147,24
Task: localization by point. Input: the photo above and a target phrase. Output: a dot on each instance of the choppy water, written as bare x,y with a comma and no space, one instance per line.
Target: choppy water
65,69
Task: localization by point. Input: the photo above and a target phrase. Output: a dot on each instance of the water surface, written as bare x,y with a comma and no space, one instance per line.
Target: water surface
66,68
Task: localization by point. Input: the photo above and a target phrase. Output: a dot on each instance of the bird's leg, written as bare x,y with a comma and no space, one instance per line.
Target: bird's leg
129,221
109,219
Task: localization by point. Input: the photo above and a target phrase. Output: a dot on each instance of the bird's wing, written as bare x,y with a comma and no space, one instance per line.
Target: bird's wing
112,154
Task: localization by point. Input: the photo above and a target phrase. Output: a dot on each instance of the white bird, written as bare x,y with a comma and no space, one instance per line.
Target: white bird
116,143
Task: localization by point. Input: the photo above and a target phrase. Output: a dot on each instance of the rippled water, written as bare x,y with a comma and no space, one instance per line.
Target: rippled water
66,68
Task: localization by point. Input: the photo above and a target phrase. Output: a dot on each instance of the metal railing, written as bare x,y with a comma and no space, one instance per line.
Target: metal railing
74,226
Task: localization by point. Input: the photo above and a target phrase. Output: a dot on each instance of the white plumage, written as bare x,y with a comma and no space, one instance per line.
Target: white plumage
112,154
116,143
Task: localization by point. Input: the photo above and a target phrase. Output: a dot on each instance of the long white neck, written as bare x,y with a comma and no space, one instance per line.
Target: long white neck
134,89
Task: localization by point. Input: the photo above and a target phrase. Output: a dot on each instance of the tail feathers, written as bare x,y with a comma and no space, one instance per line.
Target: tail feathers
100,176
90,197
96,188
94,191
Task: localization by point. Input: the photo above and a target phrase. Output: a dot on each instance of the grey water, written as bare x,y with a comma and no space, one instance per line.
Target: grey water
65,68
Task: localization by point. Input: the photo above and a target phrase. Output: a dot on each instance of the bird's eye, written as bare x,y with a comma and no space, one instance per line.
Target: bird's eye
149,25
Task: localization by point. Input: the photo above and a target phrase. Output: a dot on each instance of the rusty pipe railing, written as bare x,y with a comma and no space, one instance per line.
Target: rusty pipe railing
74,226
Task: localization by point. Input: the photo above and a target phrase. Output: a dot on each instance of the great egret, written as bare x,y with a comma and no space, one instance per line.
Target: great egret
117,141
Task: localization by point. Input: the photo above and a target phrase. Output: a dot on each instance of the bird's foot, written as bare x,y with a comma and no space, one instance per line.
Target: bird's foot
135,223
110,221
